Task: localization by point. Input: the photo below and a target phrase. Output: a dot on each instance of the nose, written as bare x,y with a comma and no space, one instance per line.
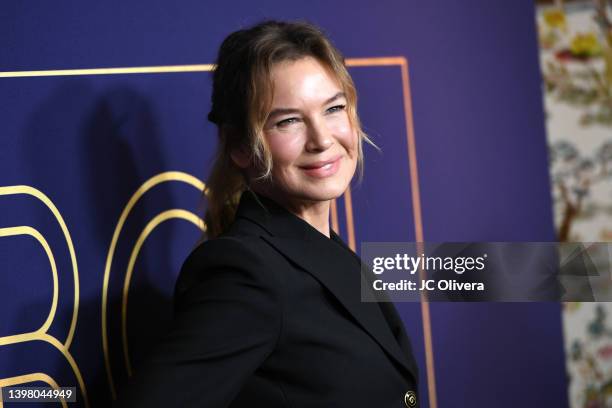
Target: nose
319,137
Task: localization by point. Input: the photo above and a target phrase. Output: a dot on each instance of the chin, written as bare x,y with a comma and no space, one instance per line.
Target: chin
327,192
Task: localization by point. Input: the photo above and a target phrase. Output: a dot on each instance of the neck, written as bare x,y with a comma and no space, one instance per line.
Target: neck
315,213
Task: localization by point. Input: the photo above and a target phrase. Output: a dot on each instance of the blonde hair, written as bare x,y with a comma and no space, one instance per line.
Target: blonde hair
242,98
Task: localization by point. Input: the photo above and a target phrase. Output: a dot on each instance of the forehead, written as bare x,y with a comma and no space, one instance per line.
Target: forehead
302,80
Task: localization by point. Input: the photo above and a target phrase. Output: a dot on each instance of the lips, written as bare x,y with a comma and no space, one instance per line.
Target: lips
320,164
323,168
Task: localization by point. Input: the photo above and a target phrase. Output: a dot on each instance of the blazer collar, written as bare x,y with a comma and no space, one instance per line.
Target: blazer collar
330,261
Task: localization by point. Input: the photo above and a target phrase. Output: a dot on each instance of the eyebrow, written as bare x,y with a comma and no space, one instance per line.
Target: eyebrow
287,111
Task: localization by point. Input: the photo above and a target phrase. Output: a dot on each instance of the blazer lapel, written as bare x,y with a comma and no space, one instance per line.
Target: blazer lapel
337,270
329,261
388,310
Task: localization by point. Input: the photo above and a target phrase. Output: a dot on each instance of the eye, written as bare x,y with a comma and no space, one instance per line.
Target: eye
336,108
286,122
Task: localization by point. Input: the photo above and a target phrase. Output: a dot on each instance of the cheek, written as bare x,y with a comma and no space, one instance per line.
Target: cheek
344,132
347,136
284,147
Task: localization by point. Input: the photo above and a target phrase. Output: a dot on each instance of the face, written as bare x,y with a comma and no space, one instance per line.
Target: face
311,140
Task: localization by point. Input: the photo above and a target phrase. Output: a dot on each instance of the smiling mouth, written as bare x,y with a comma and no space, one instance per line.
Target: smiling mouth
323,164
323,169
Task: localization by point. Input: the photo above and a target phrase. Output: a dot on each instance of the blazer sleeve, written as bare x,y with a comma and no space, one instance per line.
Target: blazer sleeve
227,320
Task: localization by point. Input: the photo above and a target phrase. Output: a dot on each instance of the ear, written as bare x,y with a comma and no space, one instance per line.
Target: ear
241,156
238,149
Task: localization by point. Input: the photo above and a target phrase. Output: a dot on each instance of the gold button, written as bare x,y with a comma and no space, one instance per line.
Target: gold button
410,399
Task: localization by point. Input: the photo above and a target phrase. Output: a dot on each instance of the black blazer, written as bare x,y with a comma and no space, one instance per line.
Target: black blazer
269,315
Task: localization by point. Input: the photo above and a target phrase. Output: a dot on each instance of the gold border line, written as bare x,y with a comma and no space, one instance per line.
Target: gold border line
418,227
414,173
146,186
160,69
350,225
175,213
109,71
416,203
10,190
26,230
334,216
375,62
28,378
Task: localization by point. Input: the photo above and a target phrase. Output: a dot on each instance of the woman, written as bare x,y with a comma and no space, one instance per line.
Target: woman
268,311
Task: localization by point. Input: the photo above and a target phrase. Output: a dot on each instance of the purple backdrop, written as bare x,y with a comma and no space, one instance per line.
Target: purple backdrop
88,142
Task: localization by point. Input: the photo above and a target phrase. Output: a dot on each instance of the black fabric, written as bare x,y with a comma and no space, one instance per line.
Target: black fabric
269,314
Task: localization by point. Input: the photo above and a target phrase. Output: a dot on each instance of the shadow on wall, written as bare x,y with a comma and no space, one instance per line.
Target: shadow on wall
89,153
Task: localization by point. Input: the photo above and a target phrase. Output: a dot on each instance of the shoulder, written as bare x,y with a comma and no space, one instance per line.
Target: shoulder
248,259
226,251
